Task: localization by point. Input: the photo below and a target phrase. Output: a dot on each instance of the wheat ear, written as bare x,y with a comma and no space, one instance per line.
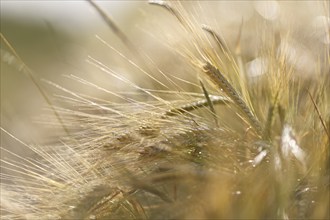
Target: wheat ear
223,84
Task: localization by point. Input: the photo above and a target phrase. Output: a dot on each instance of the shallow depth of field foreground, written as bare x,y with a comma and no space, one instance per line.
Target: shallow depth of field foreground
189,110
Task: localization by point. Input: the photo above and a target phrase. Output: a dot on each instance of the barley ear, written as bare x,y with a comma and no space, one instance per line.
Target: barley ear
222,84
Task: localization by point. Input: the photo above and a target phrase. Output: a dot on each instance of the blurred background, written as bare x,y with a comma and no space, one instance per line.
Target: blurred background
54,38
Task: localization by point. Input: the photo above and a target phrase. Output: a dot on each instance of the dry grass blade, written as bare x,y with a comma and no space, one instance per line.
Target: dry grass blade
113,26
217,38
210,104
30,74
173,11
320,116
